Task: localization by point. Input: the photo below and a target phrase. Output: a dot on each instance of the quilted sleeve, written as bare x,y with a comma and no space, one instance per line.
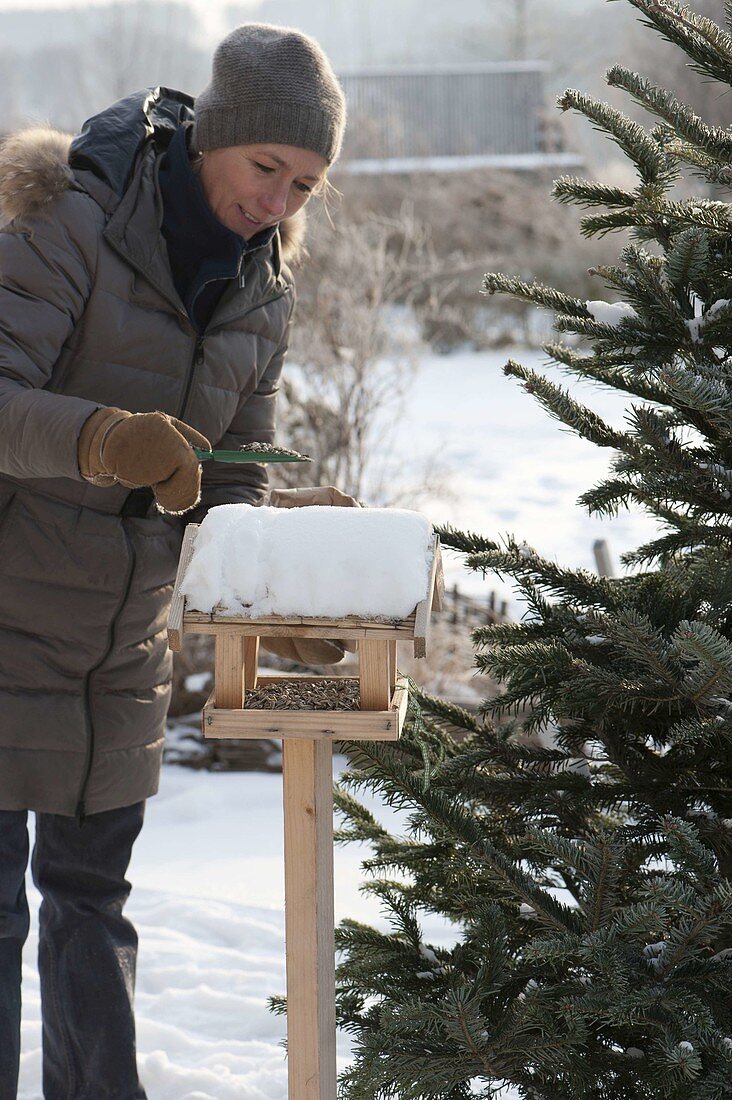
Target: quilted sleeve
47,264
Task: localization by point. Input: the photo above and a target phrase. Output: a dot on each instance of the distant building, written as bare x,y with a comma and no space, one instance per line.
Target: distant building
450,117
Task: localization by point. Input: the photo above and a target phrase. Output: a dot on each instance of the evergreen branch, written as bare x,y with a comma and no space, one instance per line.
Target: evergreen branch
652,164
714,324
617,278
450,712
513,700
709,169
652,429
602,899
543,655
599,225
466,830
560,405
547,297
688,536
509,633
692,213
712,918
681,118
626,334
678,476
607,498
467,542
647,288
712,654
498,753
687,850
643,284
471,1031
611,369
570,189
699,37
521,562
688,257
366,825
698,733
642,642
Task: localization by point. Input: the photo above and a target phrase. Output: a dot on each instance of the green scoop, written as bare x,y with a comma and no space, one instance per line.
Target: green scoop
244,455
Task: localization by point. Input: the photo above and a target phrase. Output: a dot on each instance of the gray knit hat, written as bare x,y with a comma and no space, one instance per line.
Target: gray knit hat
270,84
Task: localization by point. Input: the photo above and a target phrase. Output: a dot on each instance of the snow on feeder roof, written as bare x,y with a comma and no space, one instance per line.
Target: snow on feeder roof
312,562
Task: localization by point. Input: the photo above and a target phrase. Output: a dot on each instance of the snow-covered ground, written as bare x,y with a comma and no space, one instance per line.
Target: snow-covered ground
514,468
208,903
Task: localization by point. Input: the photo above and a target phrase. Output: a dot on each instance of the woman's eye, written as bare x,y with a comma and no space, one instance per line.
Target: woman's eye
263,167
303,187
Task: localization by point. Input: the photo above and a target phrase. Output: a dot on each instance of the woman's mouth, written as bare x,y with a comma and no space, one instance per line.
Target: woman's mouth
248,218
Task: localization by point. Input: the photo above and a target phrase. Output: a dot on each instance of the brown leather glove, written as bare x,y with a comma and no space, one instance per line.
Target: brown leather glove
310,651
137,449
308,495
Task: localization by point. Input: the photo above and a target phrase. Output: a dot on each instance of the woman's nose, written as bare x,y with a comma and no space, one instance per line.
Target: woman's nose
275,202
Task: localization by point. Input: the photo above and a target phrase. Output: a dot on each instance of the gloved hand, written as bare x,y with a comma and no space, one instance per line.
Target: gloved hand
310,651
143,449
309,495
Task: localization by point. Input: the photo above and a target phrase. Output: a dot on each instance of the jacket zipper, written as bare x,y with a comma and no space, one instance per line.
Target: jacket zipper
198,355
196,358
90,734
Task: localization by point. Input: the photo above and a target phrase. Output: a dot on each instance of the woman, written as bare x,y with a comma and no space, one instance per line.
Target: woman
145,301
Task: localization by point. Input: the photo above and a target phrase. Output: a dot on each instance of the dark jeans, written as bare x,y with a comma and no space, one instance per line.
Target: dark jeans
86,953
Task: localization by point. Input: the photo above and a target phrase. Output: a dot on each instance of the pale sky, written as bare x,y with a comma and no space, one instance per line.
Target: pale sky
209,9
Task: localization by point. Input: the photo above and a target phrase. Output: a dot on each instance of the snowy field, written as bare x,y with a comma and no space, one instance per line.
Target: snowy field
208,903
514,469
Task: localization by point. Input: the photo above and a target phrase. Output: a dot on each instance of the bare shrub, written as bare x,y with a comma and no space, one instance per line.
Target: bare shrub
354,354
469,222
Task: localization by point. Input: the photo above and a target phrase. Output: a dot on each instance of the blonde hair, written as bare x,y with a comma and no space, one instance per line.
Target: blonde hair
326,191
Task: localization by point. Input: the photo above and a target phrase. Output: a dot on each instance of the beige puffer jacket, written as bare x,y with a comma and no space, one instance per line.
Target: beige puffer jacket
89,316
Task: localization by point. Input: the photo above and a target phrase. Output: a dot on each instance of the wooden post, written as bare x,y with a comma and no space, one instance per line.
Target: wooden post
392,666
229,671
309,918
251,657
374,675
603,559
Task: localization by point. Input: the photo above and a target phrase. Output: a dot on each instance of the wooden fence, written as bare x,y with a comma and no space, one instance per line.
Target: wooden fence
469,114
462,609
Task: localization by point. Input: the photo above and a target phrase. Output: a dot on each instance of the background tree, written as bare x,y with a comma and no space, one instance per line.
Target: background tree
110,51
590,884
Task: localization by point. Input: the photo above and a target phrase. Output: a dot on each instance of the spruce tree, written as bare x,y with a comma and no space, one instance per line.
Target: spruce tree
589,884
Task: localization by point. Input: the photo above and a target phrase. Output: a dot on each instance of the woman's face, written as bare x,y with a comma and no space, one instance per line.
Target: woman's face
251,187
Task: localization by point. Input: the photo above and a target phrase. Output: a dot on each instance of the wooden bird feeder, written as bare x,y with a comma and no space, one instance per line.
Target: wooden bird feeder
307,745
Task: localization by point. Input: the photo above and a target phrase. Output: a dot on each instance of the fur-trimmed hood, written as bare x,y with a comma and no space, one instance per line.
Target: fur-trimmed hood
35,170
